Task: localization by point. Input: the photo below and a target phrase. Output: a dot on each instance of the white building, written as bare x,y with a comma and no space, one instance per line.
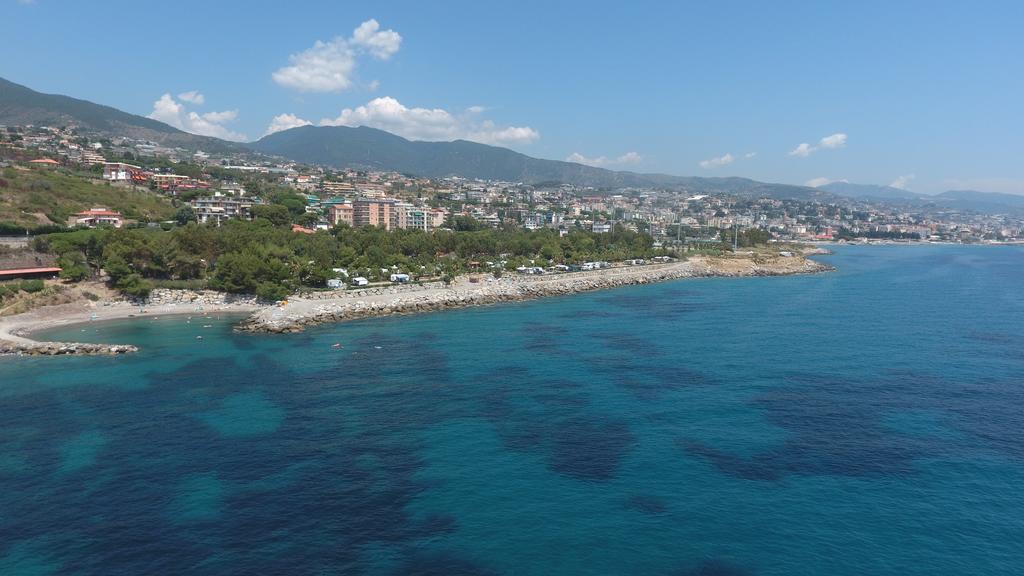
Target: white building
121,172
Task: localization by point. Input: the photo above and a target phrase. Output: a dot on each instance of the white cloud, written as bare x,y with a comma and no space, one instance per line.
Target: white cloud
387,113
819,182
329,66
902,181
832,141
326,67
717,162
629,158
221,117
373,85
192,97
380,43
803,150
750,155
837,140
285,122
169,111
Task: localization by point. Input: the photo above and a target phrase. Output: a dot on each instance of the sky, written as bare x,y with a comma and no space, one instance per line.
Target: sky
927,96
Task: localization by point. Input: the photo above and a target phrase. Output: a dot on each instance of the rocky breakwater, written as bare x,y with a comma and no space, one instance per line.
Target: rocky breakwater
300,313
31,348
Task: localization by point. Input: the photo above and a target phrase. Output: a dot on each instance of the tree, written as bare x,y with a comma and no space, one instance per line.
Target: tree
276,214
184,215
134,285
271,291
73,267
307,219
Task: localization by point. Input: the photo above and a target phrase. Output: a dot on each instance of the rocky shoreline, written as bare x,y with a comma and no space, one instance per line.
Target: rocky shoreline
63,348
300,313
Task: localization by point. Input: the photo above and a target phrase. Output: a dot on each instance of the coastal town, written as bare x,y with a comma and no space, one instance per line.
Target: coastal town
219,187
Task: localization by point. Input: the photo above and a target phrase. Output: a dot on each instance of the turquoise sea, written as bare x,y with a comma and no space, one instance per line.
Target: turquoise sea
866,421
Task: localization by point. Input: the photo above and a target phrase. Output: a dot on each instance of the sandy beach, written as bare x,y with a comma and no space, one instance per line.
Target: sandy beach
16,331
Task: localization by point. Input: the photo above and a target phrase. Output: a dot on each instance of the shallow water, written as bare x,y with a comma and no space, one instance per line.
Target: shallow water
867,421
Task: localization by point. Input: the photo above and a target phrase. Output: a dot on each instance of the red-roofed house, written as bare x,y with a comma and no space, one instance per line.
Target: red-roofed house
96,217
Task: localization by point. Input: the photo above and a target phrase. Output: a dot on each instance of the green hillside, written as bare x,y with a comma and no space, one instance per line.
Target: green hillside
36,196
21,106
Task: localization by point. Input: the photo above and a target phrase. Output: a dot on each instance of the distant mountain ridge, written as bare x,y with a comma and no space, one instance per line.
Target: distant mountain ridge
868,191
21,106
988,202
992,202
370,148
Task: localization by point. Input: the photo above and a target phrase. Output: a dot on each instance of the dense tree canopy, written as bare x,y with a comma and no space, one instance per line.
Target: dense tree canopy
265,257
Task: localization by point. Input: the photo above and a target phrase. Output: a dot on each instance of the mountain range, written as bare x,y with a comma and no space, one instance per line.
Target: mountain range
370,148
373,149
868,191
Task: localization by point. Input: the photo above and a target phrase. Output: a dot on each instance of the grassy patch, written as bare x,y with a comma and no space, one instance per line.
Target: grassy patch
59,193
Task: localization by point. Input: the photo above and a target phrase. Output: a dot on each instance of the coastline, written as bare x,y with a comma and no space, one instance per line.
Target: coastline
300,312
16,331
324,307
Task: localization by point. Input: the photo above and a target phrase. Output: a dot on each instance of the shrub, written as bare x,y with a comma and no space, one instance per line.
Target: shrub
134,285
32,286
73,267
271,291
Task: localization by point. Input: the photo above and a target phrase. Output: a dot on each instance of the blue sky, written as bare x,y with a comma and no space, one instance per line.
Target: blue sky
927,95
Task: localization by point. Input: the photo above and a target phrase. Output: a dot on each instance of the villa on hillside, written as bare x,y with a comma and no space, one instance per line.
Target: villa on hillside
96,217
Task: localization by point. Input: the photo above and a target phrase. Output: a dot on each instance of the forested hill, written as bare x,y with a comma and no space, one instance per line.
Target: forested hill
22,106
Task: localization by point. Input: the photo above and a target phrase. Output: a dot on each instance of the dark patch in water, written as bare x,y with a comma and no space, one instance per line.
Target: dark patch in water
649,505
627,343
647,379
756,469
316,479
662,307
589,314
1001,338
590,448
545,338
717,567
437,524
446,564
838,426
